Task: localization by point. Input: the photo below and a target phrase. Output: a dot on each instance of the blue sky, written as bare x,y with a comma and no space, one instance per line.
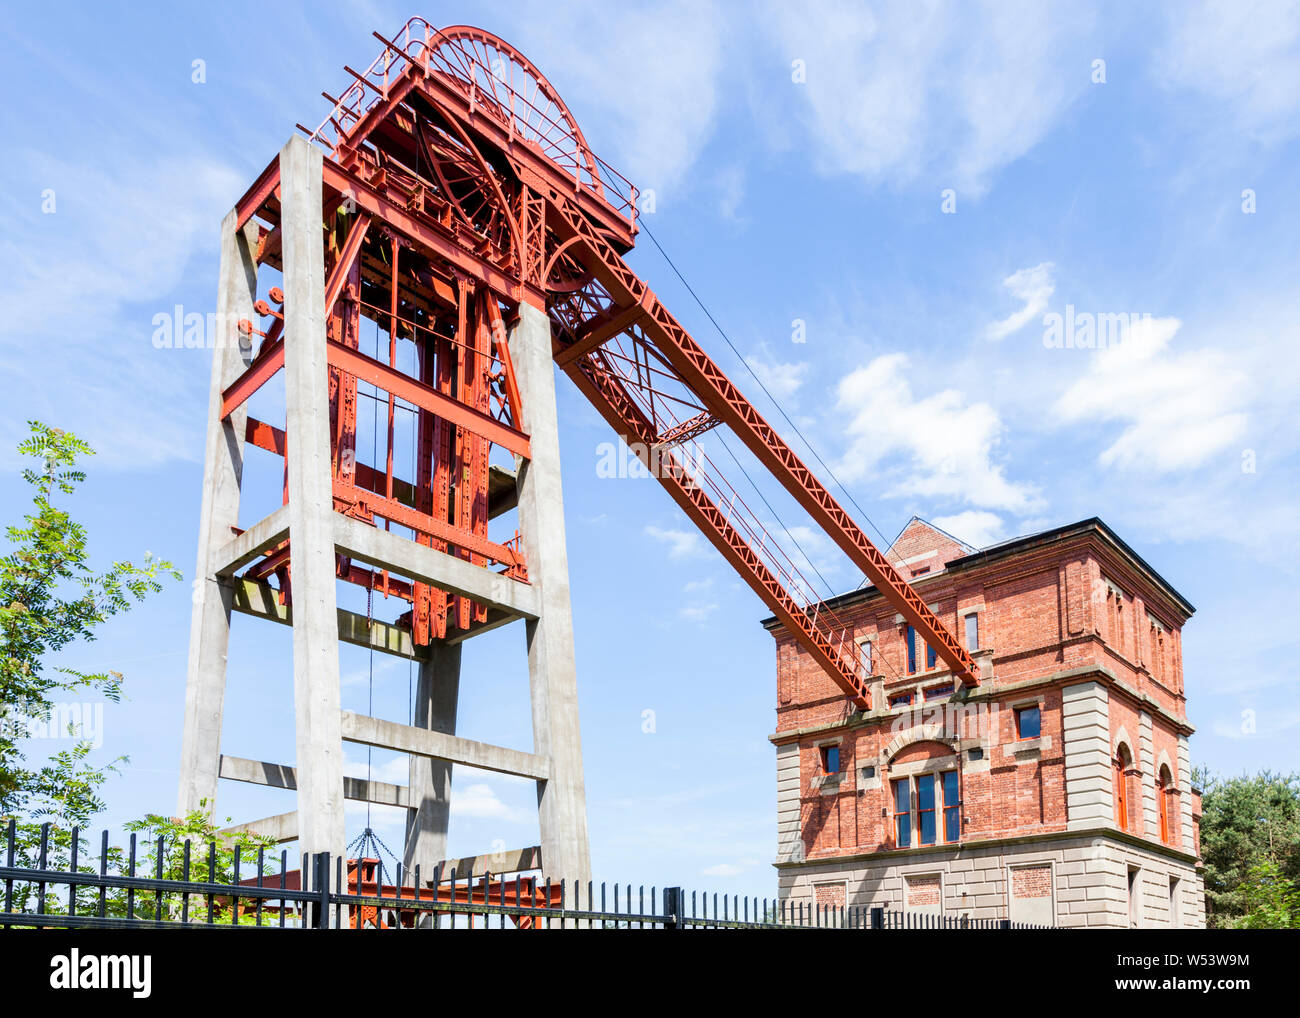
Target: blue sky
924,380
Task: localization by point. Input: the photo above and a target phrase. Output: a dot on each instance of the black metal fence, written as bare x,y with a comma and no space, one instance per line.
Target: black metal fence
54,882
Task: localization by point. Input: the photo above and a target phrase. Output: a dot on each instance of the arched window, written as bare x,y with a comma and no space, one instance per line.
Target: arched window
1164,790
1123,762
926,802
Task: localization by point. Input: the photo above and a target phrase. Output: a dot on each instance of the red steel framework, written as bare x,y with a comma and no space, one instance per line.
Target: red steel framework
458,186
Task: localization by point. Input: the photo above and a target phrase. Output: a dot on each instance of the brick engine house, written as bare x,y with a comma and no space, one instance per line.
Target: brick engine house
1057,791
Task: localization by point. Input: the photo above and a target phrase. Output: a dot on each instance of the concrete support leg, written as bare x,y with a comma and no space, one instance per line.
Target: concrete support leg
562,805
311,512
436,695
205,685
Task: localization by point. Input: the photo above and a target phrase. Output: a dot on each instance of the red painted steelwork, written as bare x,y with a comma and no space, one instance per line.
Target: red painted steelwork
706,380
384,909
458,186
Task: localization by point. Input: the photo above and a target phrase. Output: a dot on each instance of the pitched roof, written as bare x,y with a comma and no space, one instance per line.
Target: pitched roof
970,557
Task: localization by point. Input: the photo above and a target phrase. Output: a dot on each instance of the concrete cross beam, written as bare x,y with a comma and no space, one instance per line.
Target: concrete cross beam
282,827
256,540
440,746
259,772
262,601
515,860
428,565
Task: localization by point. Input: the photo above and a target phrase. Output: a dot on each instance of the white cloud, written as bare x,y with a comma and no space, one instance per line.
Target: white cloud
1245,55
940,446
698,612
976,527
815,553
1177,409
781,380
1035,287
82,286
395,771
642,83
480,800
729,869
681,543
945,90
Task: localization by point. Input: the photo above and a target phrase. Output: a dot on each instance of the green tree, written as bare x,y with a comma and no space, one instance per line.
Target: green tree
50,598
1250,841
191,848
1272,901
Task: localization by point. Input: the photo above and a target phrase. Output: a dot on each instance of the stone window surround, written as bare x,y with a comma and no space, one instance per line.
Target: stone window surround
1027,749
1133,893
937,765
1164,761
891,772
1133,808
828,784
933,733
867,645
980,629
1174,791
1122,738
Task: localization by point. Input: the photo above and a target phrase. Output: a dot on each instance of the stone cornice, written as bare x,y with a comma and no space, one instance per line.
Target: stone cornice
902,855
1068,677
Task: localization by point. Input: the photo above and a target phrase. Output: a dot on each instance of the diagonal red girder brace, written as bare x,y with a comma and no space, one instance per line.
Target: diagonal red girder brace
837,657
717,392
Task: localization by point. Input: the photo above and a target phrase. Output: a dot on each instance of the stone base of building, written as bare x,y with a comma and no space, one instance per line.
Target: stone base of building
1092,878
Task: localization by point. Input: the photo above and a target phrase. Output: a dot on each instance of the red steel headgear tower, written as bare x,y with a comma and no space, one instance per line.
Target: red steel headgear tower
450,204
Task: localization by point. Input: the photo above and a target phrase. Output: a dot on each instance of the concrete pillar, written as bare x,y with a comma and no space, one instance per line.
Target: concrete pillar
1187,841
1150,812
552,670
1085,722
205,684
311,509
436,693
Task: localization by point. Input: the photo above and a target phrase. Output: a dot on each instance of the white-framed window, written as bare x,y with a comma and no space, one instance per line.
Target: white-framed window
927,809
868,661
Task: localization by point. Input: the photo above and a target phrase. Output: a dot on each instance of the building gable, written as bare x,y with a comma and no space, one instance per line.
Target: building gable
922,549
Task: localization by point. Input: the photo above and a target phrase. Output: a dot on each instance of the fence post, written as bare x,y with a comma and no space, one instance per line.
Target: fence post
321,909
673,899
877,918
1005,924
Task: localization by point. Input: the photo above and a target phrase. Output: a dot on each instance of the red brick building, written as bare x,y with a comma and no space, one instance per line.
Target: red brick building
1057,791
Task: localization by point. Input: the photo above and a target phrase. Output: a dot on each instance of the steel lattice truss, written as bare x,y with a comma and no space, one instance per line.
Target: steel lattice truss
458,186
